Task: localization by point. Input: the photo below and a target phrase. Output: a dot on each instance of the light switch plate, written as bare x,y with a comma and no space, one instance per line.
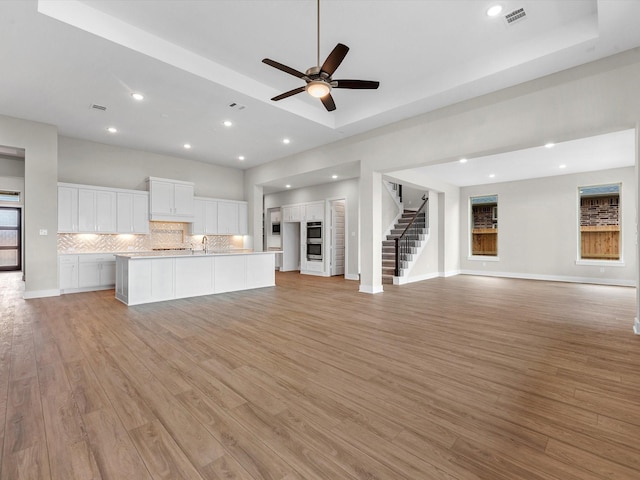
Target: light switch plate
43,231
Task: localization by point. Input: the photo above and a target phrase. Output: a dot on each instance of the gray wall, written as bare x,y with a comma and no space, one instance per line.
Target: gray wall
40,142
538,228
347,189
11,167
91,163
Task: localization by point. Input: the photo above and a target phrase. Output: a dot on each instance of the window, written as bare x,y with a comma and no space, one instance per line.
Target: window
600,222
484,225
9,197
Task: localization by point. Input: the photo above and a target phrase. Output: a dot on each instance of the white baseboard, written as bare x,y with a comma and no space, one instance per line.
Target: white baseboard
450,273
370,289
553,278
417,278
351,276
41,294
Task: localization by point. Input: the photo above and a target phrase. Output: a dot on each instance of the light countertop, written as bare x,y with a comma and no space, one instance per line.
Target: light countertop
189,253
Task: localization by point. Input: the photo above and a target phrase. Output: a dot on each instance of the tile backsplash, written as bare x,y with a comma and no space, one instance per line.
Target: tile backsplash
167,235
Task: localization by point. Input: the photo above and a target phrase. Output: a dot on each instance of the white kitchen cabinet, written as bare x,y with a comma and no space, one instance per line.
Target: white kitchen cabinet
314,211
96,271
170,200
193,276
227,218
232,217
132,212
67,209
243,221
83,273
292,213
205,219
96,211
68,272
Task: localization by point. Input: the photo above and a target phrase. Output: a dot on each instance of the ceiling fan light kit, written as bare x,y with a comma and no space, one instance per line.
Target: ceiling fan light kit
318,79
318,88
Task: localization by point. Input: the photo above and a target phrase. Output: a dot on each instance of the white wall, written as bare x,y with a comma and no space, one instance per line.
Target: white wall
390,209
427,264
538,233
91,163
347,189
412,197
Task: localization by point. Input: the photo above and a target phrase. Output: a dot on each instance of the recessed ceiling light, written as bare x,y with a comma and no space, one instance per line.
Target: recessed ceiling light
549,145
492,175
137,96
288,186
227,123
187,146
495,10
241,157
286,141
562,166
463,160
334,176
112,130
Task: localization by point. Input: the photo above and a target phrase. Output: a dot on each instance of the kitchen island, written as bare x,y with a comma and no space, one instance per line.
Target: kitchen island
158,276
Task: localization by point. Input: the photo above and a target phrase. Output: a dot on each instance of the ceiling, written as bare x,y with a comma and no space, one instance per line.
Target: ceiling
193,59
612,150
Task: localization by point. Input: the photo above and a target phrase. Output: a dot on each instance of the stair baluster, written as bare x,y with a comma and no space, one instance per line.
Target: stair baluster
404,242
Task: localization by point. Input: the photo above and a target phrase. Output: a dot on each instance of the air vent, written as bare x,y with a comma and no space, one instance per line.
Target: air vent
237,106
98,107
516,16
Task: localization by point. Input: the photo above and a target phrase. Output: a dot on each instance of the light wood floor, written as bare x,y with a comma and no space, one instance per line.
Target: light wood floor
460,378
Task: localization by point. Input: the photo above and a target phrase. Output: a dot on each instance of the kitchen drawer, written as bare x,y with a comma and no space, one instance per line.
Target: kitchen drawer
97,258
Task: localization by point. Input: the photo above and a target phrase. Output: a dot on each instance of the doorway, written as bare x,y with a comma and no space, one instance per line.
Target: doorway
337,237
10,239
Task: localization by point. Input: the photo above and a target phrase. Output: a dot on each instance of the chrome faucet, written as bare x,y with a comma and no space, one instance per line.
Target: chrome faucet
205,242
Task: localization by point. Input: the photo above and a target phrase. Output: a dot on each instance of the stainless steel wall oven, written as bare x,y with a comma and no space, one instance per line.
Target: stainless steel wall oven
314,241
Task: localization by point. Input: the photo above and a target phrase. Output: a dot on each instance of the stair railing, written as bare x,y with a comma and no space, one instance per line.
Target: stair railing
410,233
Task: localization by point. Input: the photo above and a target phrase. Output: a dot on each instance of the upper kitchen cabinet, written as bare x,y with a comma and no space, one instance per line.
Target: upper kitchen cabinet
132,212
232,218
205,220
314,211
67,209
89,209
96,211
170,200
292,213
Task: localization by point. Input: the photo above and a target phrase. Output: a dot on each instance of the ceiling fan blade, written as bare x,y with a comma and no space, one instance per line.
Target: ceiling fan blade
334,59
328,102
283,68
356,84
295,91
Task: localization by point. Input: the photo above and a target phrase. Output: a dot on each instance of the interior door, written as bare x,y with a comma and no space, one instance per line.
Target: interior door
10,244
337,236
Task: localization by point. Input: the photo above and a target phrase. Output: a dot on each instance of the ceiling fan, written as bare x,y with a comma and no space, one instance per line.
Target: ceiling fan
319,81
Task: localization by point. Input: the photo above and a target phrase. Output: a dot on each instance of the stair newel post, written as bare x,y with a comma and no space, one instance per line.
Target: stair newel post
397,262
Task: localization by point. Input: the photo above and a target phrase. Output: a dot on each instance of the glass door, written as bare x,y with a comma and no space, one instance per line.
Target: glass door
10,248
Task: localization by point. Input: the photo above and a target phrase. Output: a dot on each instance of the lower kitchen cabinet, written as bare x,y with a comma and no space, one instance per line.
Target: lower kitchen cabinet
68,272
84,273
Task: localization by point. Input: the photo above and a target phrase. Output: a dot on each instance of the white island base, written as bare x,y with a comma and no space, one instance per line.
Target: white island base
146,278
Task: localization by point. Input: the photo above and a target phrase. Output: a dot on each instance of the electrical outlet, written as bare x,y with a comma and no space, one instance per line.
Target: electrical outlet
43,231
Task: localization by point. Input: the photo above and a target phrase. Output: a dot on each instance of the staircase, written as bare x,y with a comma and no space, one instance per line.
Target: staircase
415,241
